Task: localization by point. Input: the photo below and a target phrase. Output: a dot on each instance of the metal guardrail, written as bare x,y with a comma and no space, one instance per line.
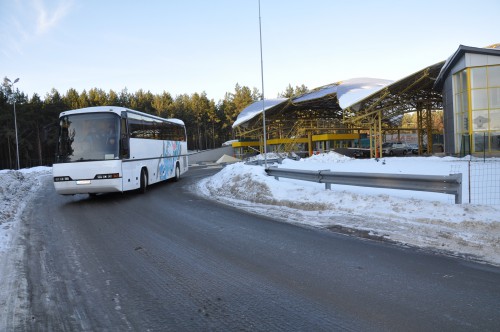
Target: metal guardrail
261,162
446,184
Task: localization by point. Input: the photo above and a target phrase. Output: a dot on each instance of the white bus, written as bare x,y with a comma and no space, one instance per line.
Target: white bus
115,149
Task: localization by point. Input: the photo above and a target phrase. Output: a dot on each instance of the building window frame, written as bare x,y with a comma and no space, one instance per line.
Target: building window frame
476,109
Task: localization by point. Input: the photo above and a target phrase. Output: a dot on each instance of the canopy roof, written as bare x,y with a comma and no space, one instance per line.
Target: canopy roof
317,93
354,90
404,95
257,108
332,97
356,99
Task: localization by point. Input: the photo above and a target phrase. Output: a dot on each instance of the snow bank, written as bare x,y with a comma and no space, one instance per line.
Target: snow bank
422,219
15,190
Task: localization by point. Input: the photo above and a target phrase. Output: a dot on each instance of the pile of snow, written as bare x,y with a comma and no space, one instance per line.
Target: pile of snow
331,157
16,187
423,219
269,156
225,159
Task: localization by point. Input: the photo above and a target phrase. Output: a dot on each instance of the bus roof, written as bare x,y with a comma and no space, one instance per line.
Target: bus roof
117,110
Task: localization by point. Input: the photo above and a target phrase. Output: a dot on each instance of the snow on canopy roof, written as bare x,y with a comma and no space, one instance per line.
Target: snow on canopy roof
255,109
351,91
317,93
178,121
348,92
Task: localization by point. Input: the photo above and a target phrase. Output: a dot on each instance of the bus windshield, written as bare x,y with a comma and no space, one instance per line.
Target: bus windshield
89,136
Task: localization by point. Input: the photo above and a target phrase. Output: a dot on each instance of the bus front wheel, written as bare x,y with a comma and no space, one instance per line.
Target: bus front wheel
144,181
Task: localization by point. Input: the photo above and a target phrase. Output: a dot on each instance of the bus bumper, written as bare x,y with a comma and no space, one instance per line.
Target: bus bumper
94,186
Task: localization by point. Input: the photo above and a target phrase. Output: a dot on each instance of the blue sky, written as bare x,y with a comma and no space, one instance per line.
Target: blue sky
197,45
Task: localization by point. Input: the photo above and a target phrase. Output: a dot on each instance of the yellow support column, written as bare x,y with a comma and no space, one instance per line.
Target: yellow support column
310,142
373,146
420,132
428,113
380,134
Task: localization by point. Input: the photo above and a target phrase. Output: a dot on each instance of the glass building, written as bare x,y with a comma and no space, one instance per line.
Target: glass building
470,84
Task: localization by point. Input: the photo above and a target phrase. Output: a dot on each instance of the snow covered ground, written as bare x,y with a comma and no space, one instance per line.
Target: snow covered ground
16,187
421,219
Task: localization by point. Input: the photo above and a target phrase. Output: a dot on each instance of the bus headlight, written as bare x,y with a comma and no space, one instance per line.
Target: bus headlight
107,176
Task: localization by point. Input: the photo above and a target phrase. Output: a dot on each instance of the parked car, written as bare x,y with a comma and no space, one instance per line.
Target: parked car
394,148
361,153
414,148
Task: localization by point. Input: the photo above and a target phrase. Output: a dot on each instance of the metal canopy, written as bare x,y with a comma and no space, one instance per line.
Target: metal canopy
403,96
256,108
323,102
349,106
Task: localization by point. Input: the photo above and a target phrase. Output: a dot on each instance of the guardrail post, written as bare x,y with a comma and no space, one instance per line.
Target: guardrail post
270,169
458,194
328,185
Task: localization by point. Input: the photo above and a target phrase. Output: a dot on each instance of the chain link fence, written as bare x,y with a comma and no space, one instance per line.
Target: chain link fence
481,180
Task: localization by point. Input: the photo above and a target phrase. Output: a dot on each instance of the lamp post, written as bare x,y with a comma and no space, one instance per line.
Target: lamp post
10,85
264,134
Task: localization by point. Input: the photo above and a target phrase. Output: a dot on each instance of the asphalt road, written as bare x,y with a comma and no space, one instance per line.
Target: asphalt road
169,260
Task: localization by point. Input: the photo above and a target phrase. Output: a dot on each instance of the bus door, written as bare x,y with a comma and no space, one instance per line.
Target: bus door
129,178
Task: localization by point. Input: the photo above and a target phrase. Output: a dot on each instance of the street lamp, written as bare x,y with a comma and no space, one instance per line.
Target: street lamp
264,134
10,85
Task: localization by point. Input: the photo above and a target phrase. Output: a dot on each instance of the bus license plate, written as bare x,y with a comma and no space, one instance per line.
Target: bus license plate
83,182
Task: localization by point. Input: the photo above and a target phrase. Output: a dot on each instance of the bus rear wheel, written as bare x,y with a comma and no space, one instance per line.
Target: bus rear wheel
144,181
177,173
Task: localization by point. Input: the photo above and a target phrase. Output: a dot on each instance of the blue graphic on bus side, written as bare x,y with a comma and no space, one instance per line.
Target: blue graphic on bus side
168,159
